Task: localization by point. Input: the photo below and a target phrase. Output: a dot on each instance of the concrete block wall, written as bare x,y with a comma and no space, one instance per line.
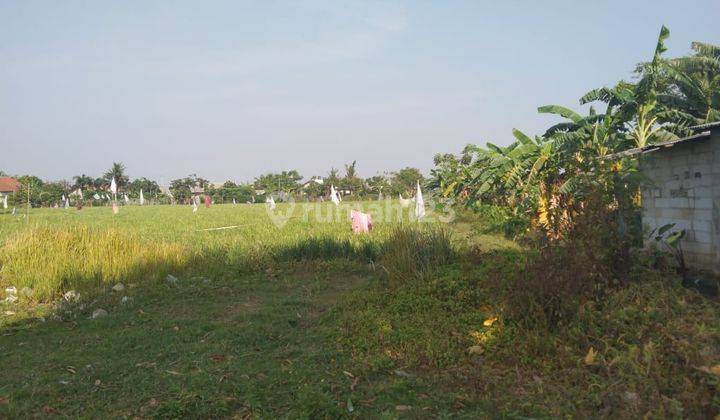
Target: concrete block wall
683,187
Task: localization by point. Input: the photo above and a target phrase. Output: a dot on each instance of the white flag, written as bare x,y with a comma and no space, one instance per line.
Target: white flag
113,186
63,198
127,200
5,202
194,206
67,202
80,193
271,202
234,203
334,196
419,203
142,198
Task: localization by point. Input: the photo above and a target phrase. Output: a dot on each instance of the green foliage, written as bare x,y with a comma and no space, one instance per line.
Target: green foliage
285,181
149,188
117,171
413,254
404,181
182,188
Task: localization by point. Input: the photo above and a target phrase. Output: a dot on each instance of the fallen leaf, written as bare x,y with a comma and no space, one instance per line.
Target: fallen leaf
403,407
590,356
490,321
475,350
348,374
172,372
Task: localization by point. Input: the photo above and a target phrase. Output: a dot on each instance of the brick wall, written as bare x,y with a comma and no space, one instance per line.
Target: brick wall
683,187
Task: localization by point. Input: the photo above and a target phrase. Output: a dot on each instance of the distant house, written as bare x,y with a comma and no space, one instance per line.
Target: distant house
8,186
683,188
197,190
312,181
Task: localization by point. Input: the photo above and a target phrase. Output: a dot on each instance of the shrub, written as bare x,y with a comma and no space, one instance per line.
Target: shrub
592,257
413,253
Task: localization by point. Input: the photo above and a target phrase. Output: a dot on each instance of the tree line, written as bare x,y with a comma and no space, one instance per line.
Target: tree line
96,190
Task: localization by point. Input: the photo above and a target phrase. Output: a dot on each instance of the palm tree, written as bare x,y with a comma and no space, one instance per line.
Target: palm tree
636,105
693,91
83,182
117,171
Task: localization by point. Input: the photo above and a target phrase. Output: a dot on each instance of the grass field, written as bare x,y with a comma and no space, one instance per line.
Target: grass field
308,320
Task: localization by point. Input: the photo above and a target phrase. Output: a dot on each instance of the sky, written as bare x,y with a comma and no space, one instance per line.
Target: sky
233,89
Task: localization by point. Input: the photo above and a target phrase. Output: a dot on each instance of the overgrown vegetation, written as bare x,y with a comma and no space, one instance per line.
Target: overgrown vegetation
415,320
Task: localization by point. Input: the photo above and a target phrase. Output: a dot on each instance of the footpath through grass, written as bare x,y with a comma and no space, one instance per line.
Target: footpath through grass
314,332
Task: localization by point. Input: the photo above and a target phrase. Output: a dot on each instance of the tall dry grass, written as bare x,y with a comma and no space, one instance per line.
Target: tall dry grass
50,260
412,253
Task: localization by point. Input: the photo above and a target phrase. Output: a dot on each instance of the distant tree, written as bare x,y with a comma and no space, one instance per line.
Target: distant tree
149,187
351,182
229,190
83,182
100,184
404,181
378,184
31,186
286,181
117,171
182,188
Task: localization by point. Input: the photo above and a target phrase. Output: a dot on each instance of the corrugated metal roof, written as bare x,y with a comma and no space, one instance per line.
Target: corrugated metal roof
657,146
706,126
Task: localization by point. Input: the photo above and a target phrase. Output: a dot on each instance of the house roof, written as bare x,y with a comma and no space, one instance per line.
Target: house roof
657,146
706,126
703,131
8,184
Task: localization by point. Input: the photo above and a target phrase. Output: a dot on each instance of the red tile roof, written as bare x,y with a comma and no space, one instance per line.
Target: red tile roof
8,184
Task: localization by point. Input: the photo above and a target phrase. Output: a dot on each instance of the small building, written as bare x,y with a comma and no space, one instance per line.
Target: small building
683,187
8,186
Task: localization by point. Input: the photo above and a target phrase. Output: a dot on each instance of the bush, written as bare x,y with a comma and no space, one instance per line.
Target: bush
413,253
592,257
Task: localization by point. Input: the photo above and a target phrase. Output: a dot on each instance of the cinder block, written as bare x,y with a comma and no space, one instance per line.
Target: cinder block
679,203
672,185
702,226
702,203
703,214
702,192
703,237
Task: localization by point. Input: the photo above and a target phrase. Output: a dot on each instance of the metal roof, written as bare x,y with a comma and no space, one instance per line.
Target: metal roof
706,126
657,146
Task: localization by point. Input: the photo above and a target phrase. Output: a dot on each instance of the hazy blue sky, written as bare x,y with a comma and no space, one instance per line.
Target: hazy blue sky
231,89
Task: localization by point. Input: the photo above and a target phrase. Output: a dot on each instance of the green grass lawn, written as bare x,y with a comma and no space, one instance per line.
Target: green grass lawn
300,321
